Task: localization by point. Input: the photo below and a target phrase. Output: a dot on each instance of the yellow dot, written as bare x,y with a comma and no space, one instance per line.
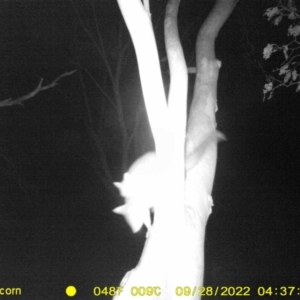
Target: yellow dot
71,290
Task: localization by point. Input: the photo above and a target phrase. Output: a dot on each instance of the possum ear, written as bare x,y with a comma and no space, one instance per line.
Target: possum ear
133,215
127,186
126,177
118,185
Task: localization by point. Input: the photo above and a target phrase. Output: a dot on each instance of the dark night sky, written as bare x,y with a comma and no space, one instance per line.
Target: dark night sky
55,216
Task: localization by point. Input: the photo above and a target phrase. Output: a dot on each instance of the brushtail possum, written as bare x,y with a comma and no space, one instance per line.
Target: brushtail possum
139,184
138,189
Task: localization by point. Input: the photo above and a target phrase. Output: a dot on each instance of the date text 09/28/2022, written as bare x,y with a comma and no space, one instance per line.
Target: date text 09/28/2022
282,291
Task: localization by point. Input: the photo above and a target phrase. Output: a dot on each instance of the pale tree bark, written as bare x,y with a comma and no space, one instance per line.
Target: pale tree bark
201,123
173,256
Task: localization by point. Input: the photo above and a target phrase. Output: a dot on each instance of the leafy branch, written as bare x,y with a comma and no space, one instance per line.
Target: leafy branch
288,74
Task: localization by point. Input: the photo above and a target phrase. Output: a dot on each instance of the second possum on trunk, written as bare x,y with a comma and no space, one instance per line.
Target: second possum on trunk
139,184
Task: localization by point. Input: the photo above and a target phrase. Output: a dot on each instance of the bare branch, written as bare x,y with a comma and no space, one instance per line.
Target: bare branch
177,98
140,28
39,88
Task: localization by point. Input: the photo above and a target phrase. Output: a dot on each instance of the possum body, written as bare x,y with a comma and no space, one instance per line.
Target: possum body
139,184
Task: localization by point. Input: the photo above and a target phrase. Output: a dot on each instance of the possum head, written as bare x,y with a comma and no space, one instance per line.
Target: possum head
138,190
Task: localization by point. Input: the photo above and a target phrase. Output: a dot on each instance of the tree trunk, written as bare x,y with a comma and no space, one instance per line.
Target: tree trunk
172,262
201,124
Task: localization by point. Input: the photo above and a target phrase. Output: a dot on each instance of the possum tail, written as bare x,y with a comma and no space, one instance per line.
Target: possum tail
192,160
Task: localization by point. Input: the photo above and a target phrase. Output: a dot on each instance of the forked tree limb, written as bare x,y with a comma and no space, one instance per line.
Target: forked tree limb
173,255
39,88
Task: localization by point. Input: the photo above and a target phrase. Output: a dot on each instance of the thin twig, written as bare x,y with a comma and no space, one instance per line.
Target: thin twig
39,88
